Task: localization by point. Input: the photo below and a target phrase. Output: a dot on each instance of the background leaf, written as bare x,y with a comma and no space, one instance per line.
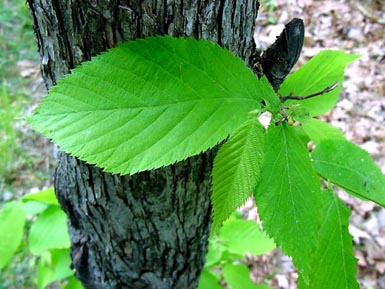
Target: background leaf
61,264
74,283
32,208
240,237
214,253
351,168
49,231
12,221
209,280
334,265
288,196
44,270
318,130
238,277
46,196
236,170
318,73
149,103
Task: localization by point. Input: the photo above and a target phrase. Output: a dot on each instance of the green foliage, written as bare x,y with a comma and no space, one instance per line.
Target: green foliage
227,255
48,238
17,44
149,103
271,5
133,109
7,133
236,170
12,221
16,36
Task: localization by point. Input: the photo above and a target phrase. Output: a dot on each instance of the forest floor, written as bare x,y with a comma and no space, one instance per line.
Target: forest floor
354,26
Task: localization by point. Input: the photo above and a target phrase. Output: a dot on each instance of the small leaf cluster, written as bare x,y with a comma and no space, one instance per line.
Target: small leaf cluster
149,103
225,265
47,237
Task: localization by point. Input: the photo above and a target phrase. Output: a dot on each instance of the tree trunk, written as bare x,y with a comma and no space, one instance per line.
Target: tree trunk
149,230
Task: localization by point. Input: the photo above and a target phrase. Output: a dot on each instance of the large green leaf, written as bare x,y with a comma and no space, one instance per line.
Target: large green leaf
351,168
321,71
236,170
334,265
149,103
49,231
12,221
288,195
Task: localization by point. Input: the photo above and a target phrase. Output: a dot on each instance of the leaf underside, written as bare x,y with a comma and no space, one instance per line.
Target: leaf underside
132,109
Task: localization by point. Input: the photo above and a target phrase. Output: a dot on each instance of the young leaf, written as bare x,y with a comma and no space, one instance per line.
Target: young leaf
320,72
288,195
236,170
318,130
12,221
44,270
351,168
45,196
334,265
269,96
149,103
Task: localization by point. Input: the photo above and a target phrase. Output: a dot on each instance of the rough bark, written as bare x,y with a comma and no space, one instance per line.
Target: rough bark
149,230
